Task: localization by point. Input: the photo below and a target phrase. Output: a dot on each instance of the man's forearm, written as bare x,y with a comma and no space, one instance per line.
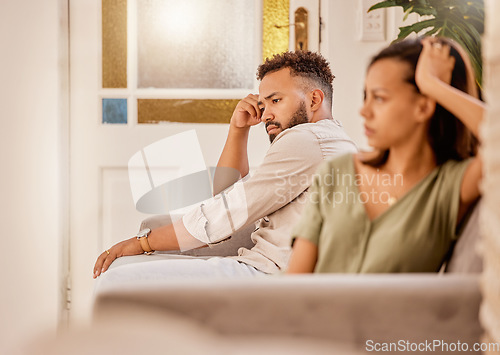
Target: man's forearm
173,237
235,156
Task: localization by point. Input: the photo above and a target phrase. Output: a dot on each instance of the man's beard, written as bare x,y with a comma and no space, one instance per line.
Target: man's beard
299,117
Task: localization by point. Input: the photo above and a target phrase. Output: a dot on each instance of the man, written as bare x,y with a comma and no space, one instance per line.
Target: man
295,103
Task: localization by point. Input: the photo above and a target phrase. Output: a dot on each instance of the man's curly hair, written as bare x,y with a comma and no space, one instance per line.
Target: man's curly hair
305,64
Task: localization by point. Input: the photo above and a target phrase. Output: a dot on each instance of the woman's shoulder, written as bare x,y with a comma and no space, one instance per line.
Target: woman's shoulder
452,167
350,160
339,162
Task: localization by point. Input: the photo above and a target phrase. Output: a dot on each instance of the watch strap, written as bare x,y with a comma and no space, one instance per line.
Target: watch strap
145,245
142,236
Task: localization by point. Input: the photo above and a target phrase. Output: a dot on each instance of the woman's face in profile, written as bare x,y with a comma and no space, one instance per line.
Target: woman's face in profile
391,105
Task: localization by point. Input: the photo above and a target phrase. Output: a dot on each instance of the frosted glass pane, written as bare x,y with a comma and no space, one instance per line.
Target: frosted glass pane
196,43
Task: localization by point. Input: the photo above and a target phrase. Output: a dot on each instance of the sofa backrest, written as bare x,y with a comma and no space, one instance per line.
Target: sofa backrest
465,257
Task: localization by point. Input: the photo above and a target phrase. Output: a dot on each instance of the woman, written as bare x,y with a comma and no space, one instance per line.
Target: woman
397,209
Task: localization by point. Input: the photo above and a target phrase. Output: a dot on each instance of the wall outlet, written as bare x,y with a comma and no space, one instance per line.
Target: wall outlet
371,26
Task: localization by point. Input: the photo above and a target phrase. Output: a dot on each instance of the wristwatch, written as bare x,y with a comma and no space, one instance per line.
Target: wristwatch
142,237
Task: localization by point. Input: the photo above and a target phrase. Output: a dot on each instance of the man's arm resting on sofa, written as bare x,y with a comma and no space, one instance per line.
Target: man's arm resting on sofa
169,237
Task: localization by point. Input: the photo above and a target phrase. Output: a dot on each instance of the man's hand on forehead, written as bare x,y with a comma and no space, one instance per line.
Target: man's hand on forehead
247,113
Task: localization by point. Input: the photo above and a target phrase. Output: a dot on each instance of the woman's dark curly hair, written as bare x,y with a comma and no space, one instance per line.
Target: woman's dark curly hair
447,135
305,64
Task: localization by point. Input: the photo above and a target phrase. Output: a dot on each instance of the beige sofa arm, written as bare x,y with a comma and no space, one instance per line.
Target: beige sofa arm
340,309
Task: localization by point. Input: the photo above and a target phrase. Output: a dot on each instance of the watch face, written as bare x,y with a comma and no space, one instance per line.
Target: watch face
144,233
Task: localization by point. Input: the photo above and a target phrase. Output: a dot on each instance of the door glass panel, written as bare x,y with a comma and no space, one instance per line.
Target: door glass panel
114,111
185,110
211,45
114,43
196,44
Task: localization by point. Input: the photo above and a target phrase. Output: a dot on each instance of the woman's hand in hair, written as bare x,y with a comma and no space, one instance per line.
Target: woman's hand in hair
433,75
434,64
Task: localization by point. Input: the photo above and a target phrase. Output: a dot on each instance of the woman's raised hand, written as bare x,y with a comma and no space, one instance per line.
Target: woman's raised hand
434,63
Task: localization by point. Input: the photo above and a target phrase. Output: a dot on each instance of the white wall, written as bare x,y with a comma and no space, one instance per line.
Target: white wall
348,58
30,177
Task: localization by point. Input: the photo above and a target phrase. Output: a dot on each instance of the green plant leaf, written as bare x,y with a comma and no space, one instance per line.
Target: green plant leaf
416,27
407,13
433,31
388,3
383,4
468,42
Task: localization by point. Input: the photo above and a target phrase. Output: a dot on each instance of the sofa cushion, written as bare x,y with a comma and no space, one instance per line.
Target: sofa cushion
465,257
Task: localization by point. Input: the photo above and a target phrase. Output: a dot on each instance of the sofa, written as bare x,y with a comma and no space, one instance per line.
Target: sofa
330,313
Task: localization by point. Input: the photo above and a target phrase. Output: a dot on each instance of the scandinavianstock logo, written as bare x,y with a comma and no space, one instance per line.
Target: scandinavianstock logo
170,177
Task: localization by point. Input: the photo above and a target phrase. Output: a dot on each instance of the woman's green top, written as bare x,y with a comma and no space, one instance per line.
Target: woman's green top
413,235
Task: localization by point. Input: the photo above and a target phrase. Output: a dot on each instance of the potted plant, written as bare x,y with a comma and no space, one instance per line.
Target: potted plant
459,20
